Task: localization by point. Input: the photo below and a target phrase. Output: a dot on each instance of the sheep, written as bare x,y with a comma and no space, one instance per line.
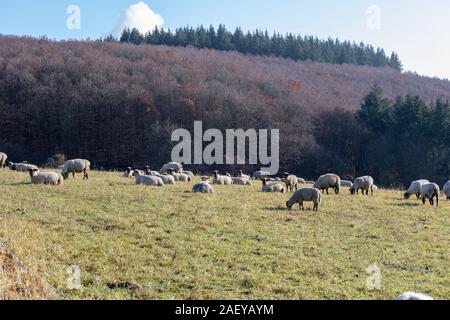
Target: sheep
148,180
258,175
22,167
362,183
346,184
129,173
302,195
272,187
329,180
3,158
412,296
221,180
76,166
310,182
149,172
182,177
414,188
175,166
139,172
166,178
374,187
301,181
291,181
50,178
430,191
446,190
204,178
189,173
240,181
242,175
203,187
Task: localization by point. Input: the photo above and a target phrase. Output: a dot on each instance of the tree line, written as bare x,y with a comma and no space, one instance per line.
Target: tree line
295,47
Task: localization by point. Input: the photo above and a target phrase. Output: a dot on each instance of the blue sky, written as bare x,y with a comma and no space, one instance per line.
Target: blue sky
418,30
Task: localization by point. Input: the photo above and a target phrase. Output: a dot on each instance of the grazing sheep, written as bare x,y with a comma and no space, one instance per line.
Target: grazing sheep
272,187
203,187
76,166
175,166
221,180
129,173
258,175
148,180
364,184
447,190
50,178
22,167
414,188
430,191
242,175
240,181
411,296
291,181
327,181
302,195
3,158
346,184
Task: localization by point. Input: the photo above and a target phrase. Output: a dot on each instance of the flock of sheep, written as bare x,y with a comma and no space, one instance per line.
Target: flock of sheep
173,172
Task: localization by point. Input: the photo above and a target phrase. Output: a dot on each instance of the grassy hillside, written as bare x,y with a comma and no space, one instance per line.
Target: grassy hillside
144,243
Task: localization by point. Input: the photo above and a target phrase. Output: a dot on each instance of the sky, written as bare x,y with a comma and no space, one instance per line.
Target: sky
418,30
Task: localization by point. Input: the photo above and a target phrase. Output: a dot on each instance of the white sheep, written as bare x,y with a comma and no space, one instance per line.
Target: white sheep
168,179
148,180
3,158
241,181
22,167
364,184
76,166
129,173
346,184
273,187
302,195
242,175
149,172
327,181
175,166
221,180
50,178
203,187
430,191
446,190
189,173
411,296
414,188
181,177
291,181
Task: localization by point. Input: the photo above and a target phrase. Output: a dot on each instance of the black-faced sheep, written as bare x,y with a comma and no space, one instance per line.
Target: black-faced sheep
22,167
414,188
430,191
240,181
148,180
242,175
327,181
272,187
302,195
76,166
291,181
365,184
221,180
346,184
129,173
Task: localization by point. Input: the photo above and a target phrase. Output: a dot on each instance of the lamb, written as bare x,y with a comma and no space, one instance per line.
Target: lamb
446,190
272,187
240,181
302,195
22,167
242,175
129,173
175,166
430,191
414,188
49,178
76,166
412,296
221,180
148,180
3,158
258,175
329,180
346,184
203,187
362,183
291,181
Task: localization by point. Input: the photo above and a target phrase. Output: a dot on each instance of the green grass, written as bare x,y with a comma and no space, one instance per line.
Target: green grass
145,243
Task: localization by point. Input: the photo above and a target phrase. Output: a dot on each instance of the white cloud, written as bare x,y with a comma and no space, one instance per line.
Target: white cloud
140,16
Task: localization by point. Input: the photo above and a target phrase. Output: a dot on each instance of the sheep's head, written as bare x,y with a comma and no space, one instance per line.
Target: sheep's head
288,205
65,175
216,173
352,190
286,174
406,196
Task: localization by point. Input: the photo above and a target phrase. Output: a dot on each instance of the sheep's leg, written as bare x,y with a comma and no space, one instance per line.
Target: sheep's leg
73,174
423,200
437,200
327,192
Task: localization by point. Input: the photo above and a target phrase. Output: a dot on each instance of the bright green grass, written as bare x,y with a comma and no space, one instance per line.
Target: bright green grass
147,243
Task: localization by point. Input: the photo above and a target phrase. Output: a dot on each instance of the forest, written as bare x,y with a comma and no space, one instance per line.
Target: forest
117,105
291,46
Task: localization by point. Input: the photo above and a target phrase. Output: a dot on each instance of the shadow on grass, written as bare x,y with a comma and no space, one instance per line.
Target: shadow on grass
277,209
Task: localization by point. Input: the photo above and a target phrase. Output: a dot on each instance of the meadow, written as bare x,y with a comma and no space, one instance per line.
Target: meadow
136,242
